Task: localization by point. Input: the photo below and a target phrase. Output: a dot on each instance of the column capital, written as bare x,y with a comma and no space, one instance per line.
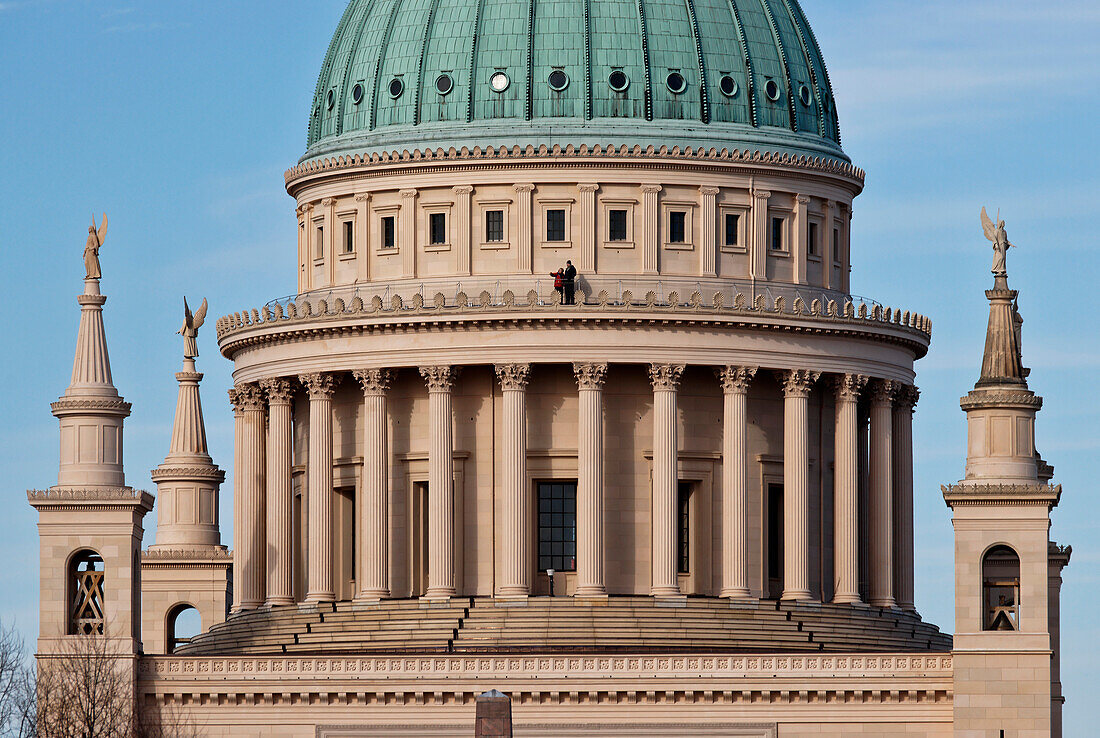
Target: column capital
761,195
651,188
512,376
709,191
407,194
590,376
247,396
523,187
883,391
279,390
374,381
328,202
588,187
802,199
665,376
439,378
906,397
849,386
462,189
320,385
362,197
735,379
797,382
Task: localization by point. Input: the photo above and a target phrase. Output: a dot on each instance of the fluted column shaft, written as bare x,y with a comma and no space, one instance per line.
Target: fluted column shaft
250,578
906,400
515,546
735,491
319,572
846,490
797,384
881,499
374,487
441,504
665,379
280,496
590,481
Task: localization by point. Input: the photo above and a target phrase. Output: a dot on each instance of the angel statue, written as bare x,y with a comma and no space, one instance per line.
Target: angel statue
997,235
91,248
190,329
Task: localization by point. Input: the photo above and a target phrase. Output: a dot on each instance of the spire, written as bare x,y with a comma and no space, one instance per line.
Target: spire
91,412
1002,363
188,480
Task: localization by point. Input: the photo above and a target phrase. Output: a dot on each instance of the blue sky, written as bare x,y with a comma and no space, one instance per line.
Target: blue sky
178,120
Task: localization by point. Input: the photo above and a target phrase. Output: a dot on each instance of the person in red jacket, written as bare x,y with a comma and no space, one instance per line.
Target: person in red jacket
559,284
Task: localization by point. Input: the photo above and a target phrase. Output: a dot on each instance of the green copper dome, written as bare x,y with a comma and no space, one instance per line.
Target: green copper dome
736,74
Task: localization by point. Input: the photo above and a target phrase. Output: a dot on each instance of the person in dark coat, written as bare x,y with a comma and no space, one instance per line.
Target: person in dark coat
559,284
570,283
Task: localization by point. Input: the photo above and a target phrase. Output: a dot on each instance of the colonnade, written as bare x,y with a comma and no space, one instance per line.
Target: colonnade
263,561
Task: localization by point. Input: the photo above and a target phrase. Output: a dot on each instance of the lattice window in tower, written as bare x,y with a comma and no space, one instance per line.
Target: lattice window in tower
86,580
1001,589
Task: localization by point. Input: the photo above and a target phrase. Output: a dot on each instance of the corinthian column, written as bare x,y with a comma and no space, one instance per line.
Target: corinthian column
735,494
846,489
882,495
665,379
319,581
590,544
905,401
280,501
441,501
248,540
797,384
515,546
374,539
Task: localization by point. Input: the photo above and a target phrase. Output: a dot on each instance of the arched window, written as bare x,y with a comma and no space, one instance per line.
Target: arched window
86,594
184,623
1001,589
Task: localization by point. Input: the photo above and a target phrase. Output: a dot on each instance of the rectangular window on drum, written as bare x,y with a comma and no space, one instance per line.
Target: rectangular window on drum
320,242
437,227
494,225
777,235
557,526
555,225
677,226
349,237
732,224
683,528
616,225
836,245
389,235
811,240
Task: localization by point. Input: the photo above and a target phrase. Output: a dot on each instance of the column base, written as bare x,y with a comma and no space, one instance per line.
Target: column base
320,598
438,595
887,602
737,593
279,601
513,592
847,599
591,590
372,595
798,595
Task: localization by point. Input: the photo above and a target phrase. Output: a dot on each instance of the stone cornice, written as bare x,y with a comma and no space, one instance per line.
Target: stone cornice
218,555
980,399
419,160
96,405
317,318
90,497
168,472
965,494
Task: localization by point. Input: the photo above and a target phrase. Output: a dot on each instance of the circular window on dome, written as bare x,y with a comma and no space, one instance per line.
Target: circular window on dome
397,86
357,93
676,82
771,89
804,95
618,80
728,86
330,99
558,80
499,82
444,84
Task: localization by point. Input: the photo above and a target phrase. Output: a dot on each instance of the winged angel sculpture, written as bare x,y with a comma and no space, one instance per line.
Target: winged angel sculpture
91,248
999,237
190,329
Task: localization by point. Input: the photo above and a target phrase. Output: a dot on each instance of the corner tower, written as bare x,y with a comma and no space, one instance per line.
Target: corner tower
90,522
1005,565
187,568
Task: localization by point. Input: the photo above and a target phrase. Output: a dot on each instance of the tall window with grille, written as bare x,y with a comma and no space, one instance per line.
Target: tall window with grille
555,225
437,228
683,528
494,225
557,526
616,225
389,232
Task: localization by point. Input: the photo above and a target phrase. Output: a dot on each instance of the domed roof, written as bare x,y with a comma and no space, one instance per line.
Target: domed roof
404,74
